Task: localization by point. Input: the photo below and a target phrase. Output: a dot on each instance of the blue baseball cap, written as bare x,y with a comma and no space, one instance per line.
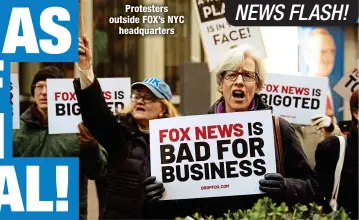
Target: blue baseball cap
159,88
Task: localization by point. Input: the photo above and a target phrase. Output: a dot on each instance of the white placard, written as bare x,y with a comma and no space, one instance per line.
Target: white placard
218,36
15,100
296,98
224,154
348,84
63,110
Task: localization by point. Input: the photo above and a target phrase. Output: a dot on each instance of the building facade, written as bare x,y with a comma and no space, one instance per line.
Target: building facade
138,57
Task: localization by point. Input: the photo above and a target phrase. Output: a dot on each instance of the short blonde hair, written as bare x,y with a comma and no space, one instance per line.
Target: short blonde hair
235,58
170,109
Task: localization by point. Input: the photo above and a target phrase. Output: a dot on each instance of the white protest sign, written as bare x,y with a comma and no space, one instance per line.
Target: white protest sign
15,100
212,155
218,36
346,86
63,110
296,98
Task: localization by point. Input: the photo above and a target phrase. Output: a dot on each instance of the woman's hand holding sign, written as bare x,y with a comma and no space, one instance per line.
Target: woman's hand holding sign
322,121
153,189
286,189
326,124
272,183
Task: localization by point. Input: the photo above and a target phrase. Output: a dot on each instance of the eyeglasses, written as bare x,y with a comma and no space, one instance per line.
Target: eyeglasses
146,98
248,76
39,87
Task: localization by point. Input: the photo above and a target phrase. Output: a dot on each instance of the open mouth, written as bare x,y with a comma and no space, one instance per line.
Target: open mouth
140,109
238,94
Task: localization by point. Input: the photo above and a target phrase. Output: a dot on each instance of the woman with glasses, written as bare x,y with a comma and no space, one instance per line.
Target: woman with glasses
240,78
327,157
127,189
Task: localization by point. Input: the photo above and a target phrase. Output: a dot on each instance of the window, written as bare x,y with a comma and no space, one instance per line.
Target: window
114,55
177,46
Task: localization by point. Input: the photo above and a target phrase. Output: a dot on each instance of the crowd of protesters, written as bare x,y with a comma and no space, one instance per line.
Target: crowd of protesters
114,149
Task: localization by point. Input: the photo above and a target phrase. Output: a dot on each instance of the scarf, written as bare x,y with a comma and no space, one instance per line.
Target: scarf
144,130
221,107
37,116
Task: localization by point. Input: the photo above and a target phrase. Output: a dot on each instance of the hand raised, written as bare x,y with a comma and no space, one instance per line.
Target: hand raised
85,54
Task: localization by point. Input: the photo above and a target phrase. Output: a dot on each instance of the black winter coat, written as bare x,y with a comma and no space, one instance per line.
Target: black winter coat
121,192
300,177
326,156
128,165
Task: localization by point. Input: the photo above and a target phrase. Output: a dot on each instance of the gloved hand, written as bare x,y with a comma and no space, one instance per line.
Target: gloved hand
321,121
85,137
153,189
273,183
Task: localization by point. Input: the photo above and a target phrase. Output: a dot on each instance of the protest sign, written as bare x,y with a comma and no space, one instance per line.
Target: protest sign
212,155
295,98
346,86
63,110
15,100
218,36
